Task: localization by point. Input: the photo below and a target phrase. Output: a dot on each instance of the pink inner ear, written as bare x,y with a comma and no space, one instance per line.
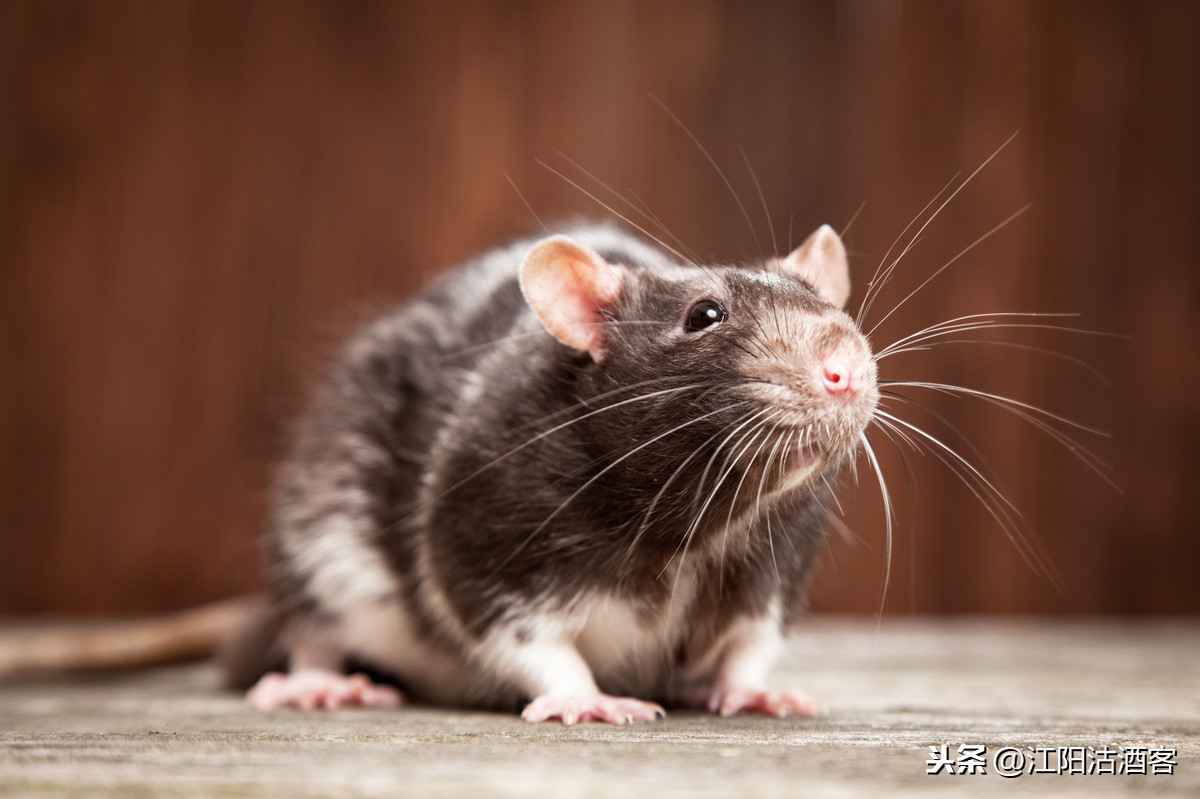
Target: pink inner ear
569,286
574,315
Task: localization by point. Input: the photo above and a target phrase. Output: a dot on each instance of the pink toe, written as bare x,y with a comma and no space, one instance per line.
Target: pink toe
313,689
767,703
571,710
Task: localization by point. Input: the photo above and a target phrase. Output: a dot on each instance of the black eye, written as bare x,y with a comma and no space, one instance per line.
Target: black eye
704,314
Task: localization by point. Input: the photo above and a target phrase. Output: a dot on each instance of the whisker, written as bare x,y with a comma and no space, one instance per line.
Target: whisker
712,161
854,471
934,215
613,211
694,526
1005,223
645,206
667,483
929,438
492,343
999,399
733,342
589,401
549,432
717,451
1029,413
887,515
761,427
1062,356
600,474
763,200
539,331
643,210
949,425
990,321
766,470
757,430
837,503
904,436
771,547
843,530
877,281
532,212
891,432
993,500
853,218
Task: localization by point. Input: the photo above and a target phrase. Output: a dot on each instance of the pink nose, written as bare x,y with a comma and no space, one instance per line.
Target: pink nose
839,377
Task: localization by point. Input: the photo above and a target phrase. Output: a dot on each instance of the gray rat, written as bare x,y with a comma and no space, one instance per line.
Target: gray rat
573,475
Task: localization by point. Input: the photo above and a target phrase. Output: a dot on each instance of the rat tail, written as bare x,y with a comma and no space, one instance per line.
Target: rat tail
194,634
252,648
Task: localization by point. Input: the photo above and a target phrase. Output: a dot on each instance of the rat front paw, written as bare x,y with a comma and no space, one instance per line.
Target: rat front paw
572,709
768,703
317,689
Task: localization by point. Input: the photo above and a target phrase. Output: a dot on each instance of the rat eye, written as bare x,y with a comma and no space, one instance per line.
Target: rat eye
704,314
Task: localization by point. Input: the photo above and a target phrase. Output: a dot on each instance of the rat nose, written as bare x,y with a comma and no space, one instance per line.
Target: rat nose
839,377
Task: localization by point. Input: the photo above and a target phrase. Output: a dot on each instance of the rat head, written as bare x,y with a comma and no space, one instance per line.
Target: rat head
758,365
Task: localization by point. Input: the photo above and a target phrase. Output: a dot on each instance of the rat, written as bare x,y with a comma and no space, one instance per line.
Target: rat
577,477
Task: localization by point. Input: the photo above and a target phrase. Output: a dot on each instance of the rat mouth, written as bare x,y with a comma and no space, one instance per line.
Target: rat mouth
796,468
803,457
800,462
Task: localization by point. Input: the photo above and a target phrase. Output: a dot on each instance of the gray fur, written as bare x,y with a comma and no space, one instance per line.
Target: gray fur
417,455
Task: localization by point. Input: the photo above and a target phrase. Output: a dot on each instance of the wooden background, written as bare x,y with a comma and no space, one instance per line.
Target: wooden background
198,199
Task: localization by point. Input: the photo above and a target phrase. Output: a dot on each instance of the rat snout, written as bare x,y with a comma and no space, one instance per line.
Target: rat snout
841,374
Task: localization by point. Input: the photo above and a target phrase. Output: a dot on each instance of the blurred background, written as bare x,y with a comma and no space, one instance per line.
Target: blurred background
198,200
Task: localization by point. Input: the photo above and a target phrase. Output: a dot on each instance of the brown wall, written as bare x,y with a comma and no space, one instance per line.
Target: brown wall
196,199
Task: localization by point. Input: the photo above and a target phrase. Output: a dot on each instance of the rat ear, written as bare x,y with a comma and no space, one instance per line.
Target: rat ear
821,260
569,286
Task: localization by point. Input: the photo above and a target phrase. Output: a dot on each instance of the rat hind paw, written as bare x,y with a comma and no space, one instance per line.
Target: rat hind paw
318,689
572,709
767,703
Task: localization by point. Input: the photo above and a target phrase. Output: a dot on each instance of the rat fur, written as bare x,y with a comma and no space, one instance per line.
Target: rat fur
573,475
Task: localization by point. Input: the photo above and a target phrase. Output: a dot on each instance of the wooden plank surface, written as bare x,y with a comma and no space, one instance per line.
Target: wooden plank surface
891,693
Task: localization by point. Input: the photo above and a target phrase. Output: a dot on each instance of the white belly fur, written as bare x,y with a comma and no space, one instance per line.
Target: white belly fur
628,650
